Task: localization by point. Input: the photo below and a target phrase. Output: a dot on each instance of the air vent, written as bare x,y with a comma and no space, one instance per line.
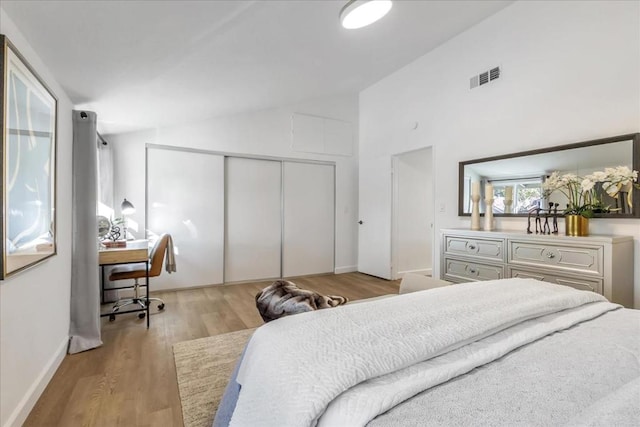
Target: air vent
494,73
484,77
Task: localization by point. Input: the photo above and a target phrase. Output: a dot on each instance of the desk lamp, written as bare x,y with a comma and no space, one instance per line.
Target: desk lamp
127,208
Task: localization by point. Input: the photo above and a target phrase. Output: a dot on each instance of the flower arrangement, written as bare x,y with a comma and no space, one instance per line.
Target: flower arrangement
581,191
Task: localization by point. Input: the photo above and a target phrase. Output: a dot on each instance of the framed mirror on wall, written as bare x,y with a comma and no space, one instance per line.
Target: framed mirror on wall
517,179
28,115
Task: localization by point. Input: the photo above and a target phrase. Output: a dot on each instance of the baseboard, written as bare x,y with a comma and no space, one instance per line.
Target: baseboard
424,271
347,269
20,414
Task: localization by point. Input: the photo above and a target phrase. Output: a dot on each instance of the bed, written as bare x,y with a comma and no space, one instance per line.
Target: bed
505,352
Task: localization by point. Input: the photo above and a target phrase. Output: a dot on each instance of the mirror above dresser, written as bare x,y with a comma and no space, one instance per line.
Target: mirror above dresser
517,178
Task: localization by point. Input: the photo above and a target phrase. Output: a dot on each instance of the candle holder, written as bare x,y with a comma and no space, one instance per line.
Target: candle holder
488,215
475,212
507,205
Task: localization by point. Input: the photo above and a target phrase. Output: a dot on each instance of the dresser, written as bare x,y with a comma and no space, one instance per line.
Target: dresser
599,263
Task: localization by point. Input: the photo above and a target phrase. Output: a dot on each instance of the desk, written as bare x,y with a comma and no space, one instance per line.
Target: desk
128,255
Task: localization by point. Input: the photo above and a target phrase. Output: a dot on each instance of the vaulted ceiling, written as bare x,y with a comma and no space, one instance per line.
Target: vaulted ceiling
143,64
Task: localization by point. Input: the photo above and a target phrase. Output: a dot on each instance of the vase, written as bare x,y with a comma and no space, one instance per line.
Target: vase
576,225
488,215
507,205
475,212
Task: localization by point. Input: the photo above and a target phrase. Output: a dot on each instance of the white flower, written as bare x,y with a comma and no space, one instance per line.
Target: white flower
552,182
569,178
587,184
597,176
619,176
611,188
582,192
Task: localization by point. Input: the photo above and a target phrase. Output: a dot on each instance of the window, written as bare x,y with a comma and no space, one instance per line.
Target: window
526,194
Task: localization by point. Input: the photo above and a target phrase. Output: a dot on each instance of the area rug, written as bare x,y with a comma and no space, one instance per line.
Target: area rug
203,367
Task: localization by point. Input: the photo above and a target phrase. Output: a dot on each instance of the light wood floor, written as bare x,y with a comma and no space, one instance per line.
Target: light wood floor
131,379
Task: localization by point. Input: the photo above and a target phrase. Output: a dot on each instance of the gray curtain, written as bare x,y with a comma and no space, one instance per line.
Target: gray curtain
85,287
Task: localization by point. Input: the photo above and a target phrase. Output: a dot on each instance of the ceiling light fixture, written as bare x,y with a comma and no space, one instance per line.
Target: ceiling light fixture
360,13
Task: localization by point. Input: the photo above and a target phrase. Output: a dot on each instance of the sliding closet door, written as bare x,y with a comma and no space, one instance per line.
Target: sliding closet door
185,198
254,223
309,215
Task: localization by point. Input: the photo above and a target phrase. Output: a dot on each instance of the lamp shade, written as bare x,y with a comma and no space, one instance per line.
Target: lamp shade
126,207
360,13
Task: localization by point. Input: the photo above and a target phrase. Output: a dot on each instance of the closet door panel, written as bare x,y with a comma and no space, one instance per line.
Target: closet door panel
309,216
253,219
185,198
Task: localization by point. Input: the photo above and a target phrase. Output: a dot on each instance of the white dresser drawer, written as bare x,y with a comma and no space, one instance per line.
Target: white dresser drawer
464,271
482,248
582,283
557,256
600,263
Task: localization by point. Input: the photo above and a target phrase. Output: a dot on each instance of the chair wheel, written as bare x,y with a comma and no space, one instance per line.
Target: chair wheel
142,315
112,318
160,306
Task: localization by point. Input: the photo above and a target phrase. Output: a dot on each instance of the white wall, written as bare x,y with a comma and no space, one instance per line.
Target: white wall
34,304
570,72
261,133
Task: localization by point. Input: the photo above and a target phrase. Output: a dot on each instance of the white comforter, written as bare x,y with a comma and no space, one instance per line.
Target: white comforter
346,365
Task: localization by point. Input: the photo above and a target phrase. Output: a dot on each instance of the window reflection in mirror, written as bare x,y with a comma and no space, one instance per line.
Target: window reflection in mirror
518,195
517,179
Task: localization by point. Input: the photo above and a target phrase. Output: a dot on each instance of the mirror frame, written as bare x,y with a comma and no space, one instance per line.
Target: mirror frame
634,137
10,59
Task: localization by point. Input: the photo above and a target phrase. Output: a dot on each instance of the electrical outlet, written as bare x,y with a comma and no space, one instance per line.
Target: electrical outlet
442,208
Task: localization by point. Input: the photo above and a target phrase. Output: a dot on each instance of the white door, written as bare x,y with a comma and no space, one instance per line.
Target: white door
412,232
185,198
309,216
374,211
253,219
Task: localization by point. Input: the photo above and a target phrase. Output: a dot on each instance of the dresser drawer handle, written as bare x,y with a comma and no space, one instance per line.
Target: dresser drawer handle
472,271
551,256
472,247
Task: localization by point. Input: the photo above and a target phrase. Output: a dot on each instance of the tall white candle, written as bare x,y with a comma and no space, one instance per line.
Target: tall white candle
508,193
488,191
475,188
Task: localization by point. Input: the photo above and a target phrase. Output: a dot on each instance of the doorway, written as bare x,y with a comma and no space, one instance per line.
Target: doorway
412,213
